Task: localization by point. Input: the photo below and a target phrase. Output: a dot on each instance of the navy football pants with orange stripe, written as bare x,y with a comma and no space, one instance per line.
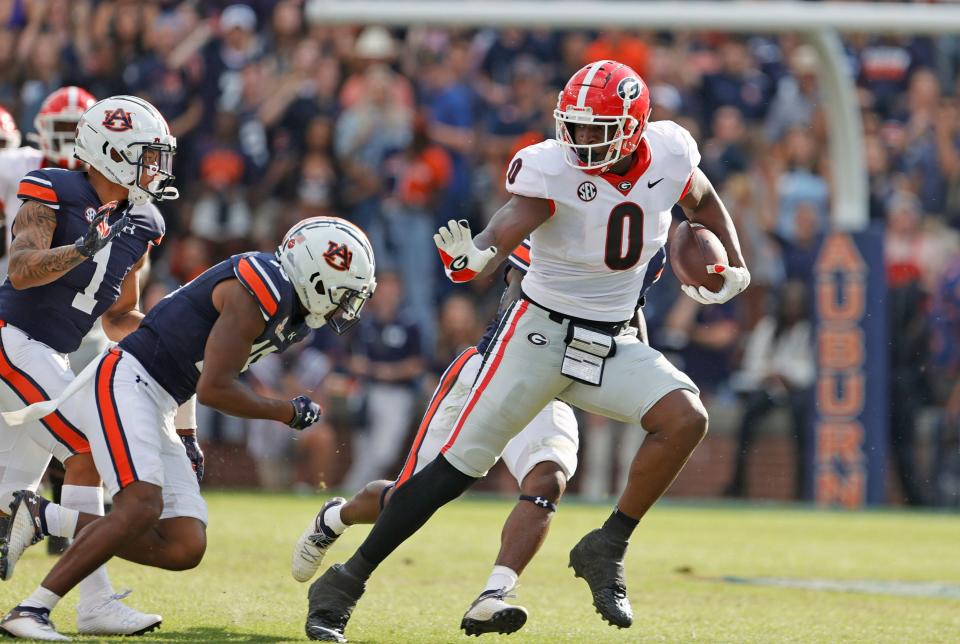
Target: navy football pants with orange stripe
30,371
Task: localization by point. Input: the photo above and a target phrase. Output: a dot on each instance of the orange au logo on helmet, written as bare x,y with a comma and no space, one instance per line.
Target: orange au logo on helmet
118,120
338,256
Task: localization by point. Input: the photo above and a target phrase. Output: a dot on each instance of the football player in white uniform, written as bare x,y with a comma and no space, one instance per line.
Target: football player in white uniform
597,202
542,458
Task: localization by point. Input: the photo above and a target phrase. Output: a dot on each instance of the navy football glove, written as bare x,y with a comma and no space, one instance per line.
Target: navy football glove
194,453
101,232
305,412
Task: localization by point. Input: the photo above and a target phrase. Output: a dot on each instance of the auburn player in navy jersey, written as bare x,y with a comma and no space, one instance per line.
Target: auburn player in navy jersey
78,241
196,340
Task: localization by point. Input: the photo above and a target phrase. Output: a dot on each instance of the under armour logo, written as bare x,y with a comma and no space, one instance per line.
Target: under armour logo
139,380
542,502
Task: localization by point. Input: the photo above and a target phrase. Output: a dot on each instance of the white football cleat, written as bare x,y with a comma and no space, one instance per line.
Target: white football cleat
489,613
30,624
19,531
313,544
107,615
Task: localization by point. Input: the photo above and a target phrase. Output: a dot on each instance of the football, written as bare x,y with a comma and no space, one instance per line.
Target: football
692,248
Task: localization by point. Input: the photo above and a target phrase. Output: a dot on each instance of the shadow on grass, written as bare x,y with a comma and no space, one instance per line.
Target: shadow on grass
206,634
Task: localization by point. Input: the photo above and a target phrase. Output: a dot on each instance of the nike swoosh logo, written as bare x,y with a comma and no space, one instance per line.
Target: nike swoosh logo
651,184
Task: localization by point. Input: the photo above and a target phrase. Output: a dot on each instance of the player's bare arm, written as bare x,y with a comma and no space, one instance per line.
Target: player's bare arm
227,350
124,316
465,257
511,225
703,205
32,261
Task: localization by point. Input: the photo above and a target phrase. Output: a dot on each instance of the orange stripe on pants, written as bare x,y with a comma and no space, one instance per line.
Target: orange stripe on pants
487,377
410,465
30,392
110,420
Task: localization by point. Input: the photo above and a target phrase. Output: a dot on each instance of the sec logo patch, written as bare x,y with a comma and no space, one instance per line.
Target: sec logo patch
587,191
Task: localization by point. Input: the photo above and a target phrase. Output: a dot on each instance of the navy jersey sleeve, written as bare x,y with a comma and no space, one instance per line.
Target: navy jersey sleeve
520,257
38,186
261,279
151,220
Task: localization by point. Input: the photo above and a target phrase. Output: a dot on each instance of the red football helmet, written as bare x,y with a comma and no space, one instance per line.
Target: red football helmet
56,124
9,133
604,93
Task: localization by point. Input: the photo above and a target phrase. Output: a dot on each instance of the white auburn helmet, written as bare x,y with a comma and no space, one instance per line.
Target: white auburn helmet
114,134
330,263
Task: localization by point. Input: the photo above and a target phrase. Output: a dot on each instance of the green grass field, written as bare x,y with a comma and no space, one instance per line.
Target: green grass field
243,591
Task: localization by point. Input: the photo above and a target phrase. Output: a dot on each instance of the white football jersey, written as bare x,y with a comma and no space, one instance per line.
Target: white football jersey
588,260
13,165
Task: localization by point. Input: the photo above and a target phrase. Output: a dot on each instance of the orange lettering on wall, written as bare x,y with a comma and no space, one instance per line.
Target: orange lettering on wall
840,348
848,491
850,305
839,253
839,440
845,400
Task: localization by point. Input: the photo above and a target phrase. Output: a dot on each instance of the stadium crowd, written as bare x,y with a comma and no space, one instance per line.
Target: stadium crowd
280,117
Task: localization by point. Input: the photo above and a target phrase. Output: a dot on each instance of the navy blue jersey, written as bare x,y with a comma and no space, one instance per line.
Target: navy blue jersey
59,314
521,262
171,339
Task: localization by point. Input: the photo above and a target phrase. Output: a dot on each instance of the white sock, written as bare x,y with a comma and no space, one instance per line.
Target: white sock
89,500
60,521
41,598
332,521
501,578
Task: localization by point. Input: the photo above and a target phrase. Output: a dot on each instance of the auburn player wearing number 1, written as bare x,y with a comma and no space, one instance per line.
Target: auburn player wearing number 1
78,239
596,201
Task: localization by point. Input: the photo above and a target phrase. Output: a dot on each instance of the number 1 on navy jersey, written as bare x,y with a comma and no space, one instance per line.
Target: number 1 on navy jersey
86,301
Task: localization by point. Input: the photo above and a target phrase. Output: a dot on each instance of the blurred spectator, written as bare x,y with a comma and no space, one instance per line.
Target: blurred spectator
387,354
778,372
908,337
798,182
226,56
449,100
619,45
419,175
366,133
272,444
796,96
725,153
460,327
736,82
221,214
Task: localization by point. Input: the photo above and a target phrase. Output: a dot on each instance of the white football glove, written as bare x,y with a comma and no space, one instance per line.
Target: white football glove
461,259
735,281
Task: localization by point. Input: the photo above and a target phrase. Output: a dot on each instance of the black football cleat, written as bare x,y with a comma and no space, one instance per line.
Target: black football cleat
599,560
332,599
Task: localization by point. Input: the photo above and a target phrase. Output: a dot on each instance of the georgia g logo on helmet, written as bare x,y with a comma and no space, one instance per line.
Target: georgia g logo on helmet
628,89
